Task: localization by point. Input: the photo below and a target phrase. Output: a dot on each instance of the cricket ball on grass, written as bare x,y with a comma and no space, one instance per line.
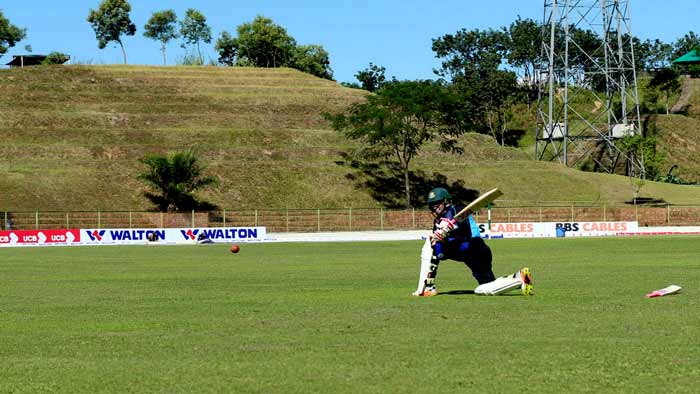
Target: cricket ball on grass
235,248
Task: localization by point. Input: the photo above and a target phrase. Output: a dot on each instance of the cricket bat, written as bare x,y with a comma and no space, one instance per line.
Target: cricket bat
673,289
480,202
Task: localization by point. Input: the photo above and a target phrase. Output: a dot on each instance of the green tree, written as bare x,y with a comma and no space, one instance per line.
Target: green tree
587,52
525,41
351,85
55,58
162,26
653,54
396,122
110,21
264,43
693,70
498,94
372,78
9,34
466,52
313,59
174,178
643,147
666,81
470,65
227,47
685,44
194,29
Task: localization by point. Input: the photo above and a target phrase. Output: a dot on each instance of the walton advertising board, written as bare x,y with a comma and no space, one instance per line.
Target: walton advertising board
172,235
121,236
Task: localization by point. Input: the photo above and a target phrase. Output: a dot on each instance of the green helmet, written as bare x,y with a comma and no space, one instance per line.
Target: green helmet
437,196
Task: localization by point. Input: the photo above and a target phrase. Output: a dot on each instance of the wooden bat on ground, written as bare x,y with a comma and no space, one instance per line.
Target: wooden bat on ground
673,289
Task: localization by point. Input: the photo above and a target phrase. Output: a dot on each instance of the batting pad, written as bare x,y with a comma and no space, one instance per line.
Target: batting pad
501,285
425,255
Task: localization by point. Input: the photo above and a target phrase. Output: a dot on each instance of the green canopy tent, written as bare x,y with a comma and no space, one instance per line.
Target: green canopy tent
692,57
691,62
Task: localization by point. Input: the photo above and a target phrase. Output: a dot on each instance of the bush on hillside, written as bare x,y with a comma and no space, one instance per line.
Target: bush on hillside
55,58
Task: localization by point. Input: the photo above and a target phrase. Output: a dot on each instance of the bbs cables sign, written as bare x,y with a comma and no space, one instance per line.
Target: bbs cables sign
554,229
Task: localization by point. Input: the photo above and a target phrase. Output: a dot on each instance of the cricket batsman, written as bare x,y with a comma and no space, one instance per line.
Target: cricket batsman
459,239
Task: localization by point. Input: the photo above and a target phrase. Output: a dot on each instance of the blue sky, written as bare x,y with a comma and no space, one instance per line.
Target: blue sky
396,34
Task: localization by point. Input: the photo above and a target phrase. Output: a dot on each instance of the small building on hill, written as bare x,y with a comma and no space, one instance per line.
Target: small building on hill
33,60
690,62
692,57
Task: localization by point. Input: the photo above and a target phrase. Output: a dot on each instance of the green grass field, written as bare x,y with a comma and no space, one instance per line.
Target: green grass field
339,318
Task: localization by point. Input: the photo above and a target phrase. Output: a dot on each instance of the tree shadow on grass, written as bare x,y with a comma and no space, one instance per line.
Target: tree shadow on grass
647,201
513,137
385,183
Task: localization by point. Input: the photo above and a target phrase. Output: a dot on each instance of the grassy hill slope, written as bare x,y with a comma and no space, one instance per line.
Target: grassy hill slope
72,137
74,134
680,142
680,134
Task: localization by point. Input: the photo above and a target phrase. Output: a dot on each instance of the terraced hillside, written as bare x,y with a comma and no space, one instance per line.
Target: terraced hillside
72,137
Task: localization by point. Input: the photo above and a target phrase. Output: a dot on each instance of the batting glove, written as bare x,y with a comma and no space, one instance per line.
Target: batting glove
439,236
447,224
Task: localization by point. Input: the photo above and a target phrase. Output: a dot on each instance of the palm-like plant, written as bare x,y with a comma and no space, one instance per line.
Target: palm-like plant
174,178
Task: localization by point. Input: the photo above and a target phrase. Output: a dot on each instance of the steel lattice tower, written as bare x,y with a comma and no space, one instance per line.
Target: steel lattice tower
587,62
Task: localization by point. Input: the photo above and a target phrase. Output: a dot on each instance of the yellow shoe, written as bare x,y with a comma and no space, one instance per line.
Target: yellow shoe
526,278
429,292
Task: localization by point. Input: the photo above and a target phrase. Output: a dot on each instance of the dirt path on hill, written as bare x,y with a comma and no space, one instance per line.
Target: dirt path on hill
685,96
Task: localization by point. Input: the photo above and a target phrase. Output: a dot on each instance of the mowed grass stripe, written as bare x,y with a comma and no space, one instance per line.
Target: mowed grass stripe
338,317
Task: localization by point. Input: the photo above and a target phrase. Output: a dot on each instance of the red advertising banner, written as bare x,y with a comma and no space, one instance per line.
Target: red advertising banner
38,237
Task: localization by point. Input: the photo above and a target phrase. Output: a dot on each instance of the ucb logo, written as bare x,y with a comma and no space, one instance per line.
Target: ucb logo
4,239
190,234
95,235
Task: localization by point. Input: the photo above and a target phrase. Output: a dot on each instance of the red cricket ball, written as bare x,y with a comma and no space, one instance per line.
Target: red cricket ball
235,248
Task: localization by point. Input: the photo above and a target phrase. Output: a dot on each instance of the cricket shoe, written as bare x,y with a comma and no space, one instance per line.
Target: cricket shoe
429,292
526,279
